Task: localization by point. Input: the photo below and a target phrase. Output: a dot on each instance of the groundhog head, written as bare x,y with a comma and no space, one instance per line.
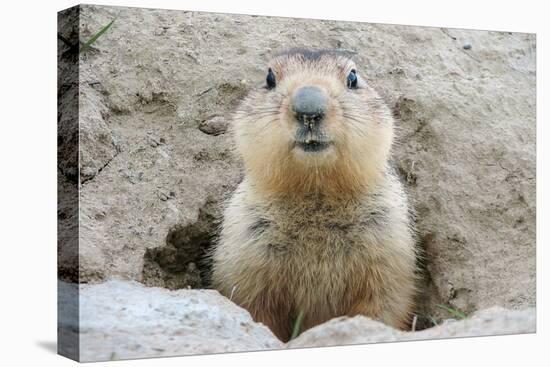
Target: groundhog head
314,125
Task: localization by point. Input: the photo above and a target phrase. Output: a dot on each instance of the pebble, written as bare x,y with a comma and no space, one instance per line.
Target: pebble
154,141
162,196
467,46
100,215
214,126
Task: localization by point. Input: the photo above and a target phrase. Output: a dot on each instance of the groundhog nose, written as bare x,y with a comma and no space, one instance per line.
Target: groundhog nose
309,104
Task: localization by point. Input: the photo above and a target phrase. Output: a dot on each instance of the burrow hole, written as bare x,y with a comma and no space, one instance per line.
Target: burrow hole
184,262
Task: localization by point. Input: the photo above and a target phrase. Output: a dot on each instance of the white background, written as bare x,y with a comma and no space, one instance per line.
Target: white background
28,181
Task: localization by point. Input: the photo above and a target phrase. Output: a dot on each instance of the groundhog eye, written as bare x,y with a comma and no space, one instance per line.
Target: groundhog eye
352,79
270,80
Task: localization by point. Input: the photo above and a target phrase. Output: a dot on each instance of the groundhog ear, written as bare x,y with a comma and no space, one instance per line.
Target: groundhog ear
270,79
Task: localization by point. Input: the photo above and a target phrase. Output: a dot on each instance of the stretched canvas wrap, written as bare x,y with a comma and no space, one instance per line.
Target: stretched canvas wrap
232,183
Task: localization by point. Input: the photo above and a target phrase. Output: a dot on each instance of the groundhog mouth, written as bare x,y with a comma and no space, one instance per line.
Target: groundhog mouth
311,139
312,145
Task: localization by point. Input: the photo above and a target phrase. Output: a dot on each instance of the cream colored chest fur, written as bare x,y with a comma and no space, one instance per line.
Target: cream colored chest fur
315,254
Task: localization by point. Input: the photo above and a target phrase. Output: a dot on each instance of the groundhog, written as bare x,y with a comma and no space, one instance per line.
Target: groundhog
320,224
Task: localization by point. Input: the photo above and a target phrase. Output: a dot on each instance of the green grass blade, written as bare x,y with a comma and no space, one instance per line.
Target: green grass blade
452,311
297,325
96,36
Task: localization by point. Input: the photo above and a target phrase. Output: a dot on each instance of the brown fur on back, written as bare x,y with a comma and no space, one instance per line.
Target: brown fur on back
327,234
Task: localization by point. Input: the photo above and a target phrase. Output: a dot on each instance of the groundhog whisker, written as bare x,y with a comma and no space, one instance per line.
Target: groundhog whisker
356,124
259,109
267,124
261,116
355,118
258,134
257,112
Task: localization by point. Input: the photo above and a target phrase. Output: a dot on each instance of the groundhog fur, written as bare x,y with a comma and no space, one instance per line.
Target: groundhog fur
323,232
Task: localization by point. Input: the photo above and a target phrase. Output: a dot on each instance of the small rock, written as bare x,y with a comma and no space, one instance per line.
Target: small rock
153,141
467,46
100,215
162,195
397,71
214,126
87,173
